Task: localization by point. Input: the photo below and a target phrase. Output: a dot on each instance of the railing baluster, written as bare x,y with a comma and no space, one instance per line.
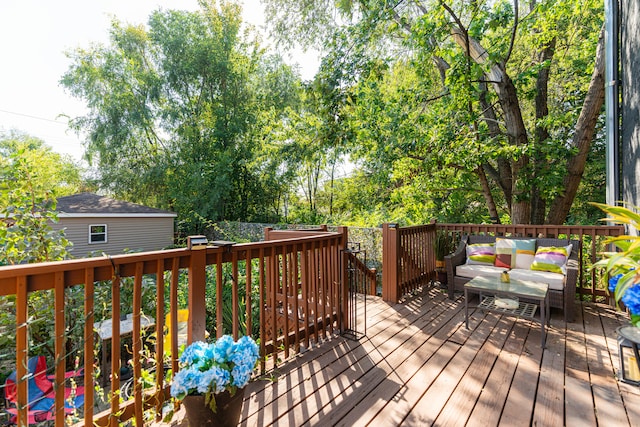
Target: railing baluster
219,302
327,315
137,343
59,345
89,310
248,291
295,280
173,309
22,351
273,294
160,315
261,304
115,346
286,285
316,289
234,294
304,267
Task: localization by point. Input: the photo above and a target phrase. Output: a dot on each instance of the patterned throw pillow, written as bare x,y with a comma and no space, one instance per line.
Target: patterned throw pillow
551,258
515,253
481,253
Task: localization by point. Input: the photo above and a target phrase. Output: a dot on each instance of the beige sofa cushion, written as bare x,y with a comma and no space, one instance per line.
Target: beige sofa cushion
555,280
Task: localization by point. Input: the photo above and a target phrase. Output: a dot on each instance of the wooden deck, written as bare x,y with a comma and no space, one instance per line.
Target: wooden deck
418,365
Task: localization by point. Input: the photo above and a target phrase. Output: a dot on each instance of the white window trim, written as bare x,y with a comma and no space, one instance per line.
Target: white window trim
106,234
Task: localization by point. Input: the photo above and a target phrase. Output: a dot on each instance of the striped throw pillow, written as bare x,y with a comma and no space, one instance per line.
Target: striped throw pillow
551,258
481,253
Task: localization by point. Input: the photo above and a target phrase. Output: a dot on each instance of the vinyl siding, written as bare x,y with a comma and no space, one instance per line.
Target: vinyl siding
145,234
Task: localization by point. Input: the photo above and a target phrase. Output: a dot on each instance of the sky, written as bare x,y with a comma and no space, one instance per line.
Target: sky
35,34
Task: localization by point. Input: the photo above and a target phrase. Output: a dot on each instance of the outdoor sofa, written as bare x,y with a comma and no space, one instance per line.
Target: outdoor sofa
562,282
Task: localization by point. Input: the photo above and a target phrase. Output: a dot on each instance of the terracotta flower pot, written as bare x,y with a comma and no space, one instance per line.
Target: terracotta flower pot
228,410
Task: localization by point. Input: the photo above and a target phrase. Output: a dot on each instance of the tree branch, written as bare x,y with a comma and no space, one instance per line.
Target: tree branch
513,31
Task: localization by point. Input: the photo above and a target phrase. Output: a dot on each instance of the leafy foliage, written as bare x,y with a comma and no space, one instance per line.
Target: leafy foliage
474,103
31,176
623,266
179,114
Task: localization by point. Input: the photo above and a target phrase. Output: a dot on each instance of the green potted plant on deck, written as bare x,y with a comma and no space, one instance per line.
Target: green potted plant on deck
623,269
623,266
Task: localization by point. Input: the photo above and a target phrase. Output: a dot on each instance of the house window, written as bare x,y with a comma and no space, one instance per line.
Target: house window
98,233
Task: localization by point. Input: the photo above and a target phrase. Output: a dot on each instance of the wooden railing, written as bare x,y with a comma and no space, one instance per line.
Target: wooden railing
363,274
361,269
294,285
409,260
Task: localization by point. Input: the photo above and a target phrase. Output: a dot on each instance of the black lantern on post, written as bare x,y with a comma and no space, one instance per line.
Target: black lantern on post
628,340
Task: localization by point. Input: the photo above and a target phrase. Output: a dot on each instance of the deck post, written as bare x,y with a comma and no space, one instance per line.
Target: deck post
390,245
197,301
344,278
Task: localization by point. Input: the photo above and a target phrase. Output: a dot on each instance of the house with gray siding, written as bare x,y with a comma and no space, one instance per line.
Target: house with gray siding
622,90
98,224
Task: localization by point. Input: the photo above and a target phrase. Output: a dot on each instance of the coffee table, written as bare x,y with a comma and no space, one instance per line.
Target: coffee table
534,294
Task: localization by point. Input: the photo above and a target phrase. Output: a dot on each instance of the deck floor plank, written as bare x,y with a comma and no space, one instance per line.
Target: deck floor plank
494,395
436,353
522,393
364,360
549,406
418,365
612,319
579,404
391,352
608,401
429,406
463,399
419,348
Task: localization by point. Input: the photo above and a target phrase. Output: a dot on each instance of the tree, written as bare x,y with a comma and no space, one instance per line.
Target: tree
510,92
31,176
178,114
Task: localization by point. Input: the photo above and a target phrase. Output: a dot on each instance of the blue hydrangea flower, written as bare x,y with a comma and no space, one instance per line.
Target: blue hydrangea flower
631,299
212,368
246,343
184,381
194,353
613,282
241,375
215,379
223,348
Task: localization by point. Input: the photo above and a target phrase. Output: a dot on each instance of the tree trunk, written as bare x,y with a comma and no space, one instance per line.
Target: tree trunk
538,204
502,176
516,130
517,134
488,197
582,139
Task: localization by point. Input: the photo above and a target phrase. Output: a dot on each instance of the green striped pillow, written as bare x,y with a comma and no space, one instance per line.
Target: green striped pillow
481,253
551,258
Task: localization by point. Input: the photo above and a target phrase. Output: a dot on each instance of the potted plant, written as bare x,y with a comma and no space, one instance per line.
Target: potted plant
212,378
442,246
623,268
